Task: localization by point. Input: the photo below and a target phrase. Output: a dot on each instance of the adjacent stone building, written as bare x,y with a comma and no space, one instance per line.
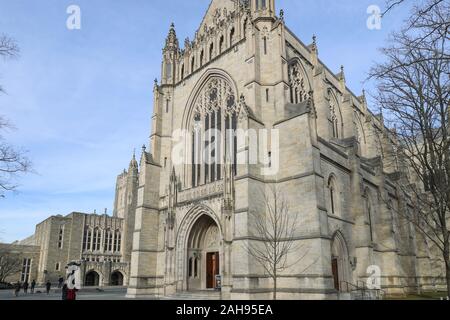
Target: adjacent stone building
245,71
94,241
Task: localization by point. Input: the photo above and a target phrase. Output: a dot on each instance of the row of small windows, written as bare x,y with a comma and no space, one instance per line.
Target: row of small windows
202,59
61,237
102,259
92,240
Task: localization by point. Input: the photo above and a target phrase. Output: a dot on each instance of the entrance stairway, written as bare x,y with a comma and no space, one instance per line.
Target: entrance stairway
194,295
359,291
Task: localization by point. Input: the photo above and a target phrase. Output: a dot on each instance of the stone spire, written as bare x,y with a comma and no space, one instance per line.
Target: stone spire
172,40
314,51
341,78
133,162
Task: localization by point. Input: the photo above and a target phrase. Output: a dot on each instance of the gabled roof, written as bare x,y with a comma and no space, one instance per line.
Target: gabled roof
214,7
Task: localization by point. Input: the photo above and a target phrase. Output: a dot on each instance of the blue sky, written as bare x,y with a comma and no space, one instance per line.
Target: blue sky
82,100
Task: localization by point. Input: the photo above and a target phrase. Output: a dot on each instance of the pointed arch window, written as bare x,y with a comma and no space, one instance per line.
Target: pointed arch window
335,117
202,56
232,37
190,266
211,51
192,64
298,84
213,132
221,43
182,72
333,196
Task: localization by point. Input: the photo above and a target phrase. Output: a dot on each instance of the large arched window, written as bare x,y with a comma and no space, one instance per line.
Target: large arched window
298,83
213,128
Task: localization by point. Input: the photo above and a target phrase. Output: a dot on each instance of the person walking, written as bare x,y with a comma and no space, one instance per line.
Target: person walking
72,294
17,288
65,290
33,285
60,282
25,287
48,286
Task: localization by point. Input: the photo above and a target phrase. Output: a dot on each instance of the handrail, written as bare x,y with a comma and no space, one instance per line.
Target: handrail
351,287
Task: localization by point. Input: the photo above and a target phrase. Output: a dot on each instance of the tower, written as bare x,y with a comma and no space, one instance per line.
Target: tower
170,56
130,209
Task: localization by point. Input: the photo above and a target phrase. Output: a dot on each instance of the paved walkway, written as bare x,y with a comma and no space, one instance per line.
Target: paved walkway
55,294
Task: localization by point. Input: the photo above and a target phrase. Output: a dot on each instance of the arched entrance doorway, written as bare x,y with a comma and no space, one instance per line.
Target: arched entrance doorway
117,278
92,279
340,265
203,254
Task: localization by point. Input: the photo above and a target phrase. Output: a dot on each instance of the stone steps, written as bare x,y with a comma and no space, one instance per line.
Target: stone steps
194,295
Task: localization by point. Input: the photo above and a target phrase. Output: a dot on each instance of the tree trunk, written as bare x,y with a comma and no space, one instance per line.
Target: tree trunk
275,287
447,276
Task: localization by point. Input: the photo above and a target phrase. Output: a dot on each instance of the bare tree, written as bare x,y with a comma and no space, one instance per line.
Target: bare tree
12,160
10,262
427,26
274,236
8,49
413,89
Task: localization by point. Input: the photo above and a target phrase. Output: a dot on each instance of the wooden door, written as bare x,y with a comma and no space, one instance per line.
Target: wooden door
212,269
335,270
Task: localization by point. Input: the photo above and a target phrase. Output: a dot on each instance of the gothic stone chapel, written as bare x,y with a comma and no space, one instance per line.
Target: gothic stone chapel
245,69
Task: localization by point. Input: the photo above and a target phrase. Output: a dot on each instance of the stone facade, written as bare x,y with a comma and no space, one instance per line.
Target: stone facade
246,70
94,241
179,222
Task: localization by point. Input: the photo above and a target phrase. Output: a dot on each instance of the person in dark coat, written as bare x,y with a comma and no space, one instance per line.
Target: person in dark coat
60,282
33,285
17,287
48,286
25,287
65,290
